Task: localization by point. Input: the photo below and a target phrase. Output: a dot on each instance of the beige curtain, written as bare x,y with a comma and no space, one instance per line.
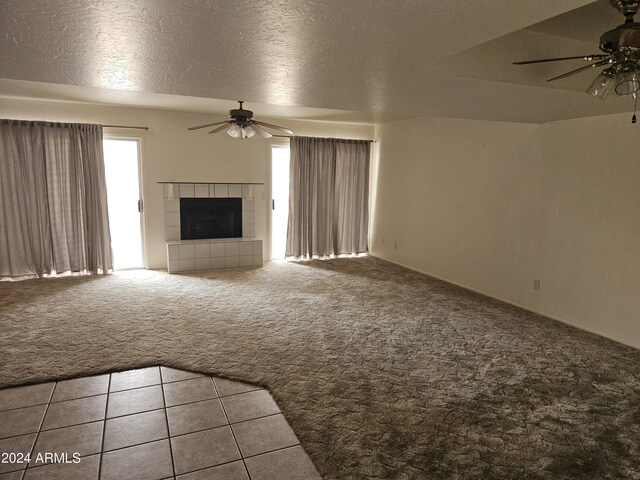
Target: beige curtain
53,200
328,197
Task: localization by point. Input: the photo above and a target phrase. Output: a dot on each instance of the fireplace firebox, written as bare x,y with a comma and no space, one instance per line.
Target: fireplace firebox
210,218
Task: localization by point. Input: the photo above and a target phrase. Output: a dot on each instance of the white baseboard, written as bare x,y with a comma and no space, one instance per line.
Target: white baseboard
524,307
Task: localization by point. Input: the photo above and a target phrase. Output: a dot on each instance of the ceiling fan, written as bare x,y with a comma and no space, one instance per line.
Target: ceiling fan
621,57
242,125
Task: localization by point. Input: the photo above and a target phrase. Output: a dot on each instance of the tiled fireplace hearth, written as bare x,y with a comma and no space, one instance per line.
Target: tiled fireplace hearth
210,253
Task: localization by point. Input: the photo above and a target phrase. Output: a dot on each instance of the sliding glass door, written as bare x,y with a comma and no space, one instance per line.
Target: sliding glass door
122,166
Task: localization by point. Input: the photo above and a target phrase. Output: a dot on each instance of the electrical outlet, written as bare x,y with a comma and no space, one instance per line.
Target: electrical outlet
536,284
395,245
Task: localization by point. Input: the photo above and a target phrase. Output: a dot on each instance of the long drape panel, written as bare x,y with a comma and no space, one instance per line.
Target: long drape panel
351,205
53,210
328,197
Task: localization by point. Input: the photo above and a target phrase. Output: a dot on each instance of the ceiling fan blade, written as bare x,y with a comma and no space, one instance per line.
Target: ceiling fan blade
578,70
558,59
207,125
275,127
260,131
226,124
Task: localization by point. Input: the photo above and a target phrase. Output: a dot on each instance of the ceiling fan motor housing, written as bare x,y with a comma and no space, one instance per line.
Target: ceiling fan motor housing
241,116
626,35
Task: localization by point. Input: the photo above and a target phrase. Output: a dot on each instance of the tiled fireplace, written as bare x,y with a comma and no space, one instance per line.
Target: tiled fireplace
210,253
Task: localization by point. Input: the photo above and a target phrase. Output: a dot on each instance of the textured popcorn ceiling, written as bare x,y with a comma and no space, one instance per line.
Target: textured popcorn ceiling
377,60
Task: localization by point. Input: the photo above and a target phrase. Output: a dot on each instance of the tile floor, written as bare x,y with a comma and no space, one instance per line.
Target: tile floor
148,424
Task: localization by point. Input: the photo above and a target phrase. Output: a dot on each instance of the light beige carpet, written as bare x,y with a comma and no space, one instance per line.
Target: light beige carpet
382,372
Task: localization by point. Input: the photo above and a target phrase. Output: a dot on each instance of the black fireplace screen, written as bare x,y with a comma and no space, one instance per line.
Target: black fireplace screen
210,218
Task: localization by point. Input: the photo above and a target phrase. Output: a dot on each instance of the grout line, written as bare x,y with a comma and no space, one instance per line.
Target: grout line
210,466
78,423
35,440
198,431
166,419
54,463
81,397
137,445
104,429
104,420
21,470
72,398
224,424
165,382
26,406
241,393
277,449
258,418
22,435
224,410
135,413
85,396
136,388
169,436
194,402
74,425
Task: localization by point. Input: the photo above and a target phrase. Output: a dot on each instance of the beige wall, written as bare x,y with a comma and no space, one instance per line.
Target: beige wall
491,206
486,205
590,251
171,153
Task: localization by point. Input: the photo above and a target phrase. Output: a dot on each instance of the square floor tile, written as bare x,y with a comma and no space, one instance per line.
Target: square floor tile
18,445
228,471
85,439
134,429
288,464
73,412
173,375
142,377
149,461
204,449
135,401
11,476
21,421
250,405
86,469
80,387
264,435
187,391
196,416
229,387
18,397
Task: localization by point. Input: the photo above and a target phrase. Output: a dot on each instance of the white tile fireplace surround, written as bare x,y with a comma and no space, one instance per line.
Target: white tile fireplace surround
206,254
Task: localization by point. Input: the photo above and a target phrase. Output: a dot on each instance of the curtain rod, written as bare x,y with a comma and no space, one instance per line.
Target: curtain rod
289,136
126,126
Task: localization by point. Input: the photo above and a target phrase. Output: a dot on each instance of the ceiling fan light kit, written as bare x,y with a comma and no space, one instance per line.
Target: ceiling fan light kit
242,125
621,47
602,84
627,78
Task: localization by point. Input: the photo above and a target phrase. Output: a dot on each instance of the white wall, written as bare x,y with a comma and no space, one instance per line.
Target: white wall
590,251
171,153
491,206
486,205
